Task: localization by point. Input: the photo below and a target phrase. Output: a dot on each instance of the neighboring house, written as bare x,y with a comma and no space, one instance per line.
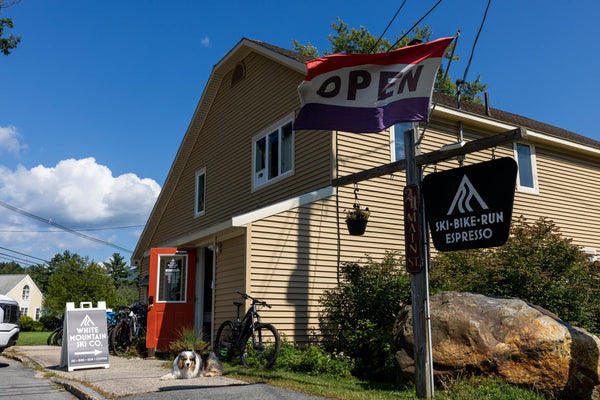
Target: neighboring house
24,290
249,205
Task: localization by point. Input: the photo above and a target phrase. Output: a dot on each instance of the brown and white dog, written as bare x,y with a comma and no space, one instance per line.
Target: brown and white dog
188,364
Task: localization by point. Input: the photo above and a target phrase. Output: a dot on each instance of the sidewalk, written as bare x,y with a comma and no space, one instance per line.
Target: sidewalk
124,377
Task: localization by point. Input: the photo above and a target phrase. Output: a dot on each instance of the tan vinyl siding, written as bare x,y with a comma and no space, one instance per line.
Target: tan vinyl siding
264,96
229,278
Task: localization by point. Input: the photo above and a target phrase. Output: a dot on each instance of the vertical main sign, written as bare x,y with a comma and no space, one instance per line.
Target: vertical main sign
412,236
471,207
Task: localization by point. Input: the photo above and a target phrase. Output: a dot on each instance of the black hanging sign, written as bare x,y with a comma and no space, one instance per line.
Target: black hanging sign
471,207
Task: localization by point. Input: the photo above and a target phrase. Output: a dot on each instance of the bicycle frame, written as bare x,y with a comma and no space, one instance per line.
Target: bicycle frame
246,324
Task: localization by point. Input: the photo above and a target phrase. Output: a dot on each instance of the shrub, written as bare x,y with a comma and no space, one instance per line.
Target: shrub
358,316
29,325
537,264
312,360
50,322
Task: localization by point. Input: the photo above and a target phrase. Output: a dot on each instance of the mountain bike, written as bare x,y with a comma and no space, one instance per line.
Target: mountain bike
258,343
131,325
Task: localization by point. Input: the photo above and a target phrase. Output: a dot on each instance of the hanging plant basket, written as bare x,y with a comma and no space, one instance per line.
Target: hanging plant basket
356,226
356,219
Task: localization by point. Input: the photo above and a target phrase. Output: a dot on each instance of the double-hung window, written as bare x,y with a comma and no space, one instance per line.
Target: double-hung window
527,177
200,192
273,152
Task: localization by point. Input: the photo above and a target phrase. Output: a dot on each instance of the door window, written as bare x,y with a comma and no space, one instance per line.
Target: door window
172,273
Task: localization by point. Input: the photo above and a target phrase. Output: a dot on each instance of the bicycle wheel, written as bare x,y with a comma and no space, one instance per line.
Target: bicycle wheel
225,341
51,336
263,350
57,339
120,339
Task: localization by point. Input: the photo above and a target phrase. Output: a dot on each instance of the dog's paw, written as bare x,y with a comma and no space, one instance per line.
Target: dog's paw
166,377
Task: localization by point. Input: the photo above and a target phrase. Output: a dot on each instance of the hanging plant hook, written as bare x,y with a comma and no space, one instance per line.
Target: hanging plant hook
356,202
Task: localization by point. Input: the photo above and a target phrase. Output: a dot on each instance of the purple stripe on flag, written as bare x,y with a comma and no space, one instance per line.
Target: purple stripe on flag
361,119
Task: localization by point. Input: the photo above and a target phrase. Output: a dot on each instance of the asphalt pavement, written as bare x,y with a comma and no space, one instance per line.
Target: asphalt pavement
22,383
140,379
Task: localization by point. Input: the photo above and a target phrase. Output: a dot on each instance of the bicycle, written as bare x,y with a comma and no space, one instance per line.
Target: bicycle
130,326
55,338
258,343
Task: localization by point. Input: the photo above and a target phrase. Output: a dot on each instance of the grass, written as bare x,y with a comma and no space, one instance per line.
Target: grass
352,388
33,338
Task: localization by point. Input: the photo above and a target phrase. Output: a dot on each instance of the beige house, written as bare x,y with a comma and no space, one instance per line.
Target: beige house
24,290
250,205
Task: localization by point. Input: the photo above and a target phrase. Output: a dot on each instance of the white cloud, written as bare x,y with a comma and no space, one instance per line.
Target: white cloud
205,41
9,140
80,193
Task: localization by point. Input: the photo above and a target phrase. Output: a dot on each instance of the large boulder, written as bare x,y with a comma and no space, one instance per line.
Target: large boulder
506,337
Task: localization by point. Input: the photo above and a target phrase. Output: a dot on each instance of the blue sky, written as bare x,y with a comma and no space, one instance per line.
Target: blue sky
98,95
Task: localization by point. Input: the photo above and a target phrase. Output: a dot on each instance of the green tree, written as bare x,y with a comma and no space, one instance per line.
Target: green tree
76,279
7,43
352,40
119,271
11,267
40,274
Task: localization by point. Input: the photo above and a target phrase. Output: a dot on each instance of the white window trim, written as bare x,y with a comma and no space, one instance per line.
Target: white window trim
185,263
37,314
532,159
393,142
198,174
275,126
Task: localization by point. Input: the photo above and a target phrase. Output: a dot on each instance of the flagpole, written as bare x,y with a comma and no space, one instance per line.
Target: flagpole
419,280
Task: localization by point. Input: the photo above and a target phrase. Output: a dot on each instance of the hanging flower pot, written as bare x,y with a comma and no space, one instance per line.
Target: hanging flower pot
356,227
356,220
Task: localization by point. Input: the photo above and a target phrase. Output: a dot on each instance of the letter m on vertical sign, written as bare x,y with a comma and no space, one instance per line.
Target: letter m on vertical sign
412,220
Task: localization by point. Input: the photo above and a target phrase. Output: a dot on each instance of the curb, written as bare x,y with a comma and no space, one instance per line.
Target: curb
75,388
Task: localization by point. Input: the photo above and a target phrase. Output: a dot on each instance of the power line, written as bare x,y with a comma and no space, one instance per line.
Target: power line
475,42
387,27
416,23
23,254
78,230
64,228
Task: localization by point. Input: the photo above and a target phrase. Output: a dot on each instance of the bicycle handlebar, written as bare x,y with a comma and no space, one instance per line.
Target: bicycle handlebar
254,300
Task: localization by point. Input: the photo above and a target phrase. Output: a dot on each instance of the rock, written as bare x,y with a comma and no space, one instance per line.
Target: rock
506,337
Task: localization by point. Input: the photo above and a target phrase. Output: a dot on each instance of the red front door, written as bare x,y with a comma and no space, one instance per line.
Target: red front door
170,295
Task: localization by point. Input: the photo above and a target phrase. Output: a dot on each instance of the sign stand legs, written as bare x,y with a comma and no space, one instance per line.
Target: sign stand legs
419,282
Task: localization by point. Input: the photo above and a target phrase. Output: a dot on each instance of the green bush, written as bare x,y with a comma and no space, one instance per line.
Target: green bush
312,360
50,322
358,316
29,325
537,264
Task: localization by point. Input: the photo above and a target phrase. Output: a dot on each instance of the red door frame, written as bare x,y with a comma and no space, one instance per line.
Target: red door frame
167,318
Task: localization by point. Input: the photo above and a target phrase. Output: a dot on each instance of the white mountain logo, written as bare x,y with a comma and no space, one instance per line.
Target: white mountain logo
87,321
462,199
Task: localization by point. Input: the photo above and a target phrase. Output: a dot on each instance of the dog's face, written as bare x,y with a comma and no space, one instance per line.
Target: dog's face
187,360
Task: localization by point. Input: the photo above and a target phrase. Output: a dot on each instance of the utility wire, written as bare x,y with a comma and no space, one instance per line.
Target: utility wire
387,27
476,39
78,230
64,228
26,255
413,27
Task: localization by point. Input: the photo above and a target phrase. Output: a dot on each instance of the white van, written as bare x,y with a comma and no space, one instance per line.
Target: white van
9,322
